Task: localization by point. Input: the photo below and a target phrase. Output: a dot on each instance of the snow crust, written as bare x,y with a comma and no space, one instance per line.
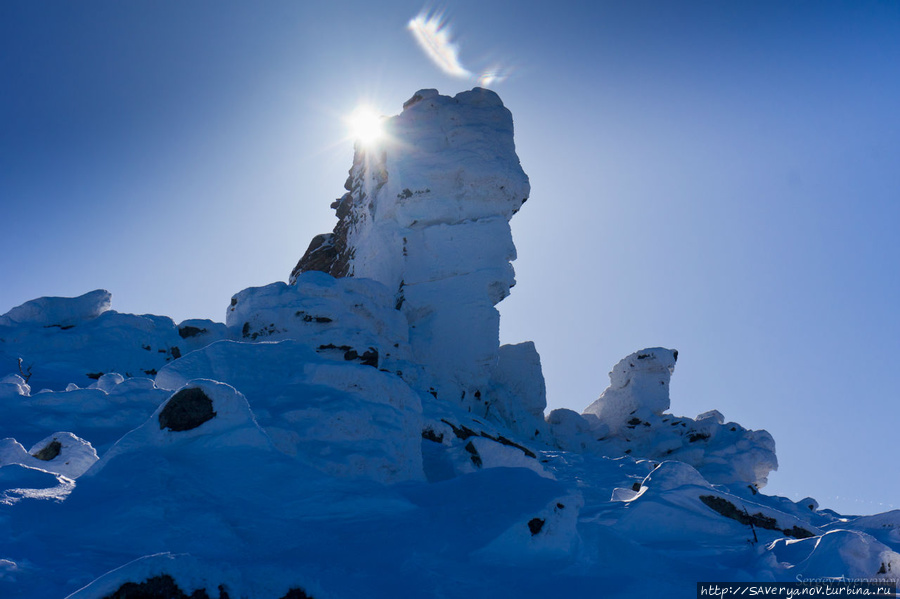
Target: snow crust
367,435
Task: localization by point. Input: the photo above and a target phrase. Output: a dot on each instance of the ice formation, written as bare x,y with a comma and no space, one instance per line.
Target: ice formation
361,432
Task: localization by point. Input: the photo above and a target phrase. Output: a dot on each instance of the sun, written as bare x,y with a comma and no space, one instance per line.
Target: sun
365,125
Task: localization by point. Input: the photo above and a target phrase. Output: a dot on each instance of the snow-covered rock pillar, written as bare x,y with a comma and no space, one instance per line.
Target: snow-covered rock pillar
427,213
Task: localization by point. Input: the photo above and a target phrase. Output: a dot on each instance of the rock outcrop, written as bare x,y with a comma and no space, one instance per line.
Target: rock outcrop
631,417
427,214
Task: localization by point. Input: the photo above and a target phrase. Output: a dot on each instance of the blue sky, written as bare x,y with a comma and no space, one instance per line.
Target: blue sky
716,177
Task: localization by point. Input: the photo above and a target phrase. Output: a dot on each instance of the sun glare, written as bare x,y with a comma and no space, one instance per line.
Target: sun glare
365,125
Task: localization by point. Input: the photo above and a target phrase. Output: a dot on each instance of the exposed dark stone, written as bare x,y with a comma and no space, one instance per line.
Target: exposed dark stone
432,436
400,297
535,525
694,437
416,98
343,348
329,252
186,410
560,506
634,421
728,509
245,330
320,255
62,327
233,302
94,375
189,331
636,487
350,354
504,441
158,587
310,318
296,593
797,532
151,372
370,357
176,353
476,459
164,587
462,432
50,451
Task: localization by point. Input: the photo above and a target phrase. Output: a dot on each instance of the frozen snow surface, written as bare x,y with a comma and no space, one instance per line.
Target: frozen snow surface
360,432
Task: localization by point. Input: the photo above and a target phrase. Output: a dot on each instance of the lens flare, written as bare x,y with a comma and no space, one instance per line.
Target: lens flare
365,125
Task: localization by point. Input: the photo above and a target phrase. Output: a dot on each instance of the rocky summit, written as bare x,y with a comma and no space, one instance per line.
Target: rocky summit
359,431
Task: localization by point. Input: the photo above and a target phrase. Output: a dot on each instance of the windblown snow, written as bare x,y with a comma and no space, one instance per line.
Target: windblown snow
360,431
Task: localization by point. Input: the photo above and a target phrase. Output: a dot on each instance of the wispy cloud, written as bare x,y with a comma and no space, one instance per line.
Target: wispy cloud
433,34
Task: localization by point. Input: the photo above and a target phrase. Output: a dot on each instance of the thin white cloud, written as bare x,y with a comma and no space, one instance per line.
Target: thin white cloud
433,35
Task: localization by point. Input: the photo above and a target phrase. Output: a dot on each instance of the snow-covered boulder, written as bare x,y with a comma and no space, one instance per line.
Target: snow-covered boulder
570,430
61,453
202,413
549,534
58,341
345,419
671,475
101,414
517,395
347,319
427,214
13,385
838,554
631,418
638,383
59,312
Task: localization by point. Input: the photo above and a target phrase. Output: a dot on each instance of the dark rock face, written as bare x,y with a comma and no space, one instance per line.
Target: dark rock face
158,587
186,410
320,255
535,525
475,457
330,252
430,435
50,451
186,332
164,587
729,510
